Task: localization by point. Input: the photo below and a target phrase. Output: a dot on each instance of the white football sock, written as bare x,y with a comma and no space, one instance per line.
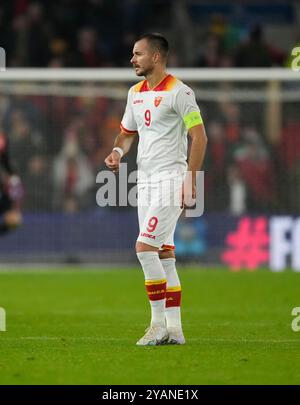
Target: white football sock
154,273
173,313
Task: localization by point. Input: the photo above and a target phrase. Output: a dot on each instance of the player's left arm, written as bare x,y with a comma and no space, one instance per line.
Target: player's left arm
198,148
186,106
195,162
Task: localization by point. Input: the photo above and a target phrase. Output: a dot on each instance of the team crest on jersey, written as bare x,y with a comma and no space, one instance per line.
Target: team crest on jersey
157,101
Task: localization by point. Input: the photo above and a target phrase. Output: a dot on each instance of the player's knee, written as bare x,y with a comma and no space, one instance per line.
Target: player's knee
151,265
143,247
166,254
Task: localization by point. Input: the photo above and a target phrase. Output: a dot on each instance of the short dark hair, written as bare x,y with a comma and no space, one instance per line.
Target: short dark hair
158,42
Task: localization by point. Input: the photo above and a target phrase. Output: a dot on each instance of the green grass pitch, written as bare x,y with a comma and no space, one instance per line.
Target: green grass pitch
80,327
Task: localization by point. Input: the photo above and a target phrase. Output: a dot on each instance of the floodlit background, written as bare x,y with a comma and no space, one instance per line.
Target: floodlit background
62,126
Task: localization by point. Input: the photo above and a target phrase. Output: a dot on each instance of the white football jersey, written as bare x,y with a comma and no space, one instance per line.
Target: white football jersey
162,117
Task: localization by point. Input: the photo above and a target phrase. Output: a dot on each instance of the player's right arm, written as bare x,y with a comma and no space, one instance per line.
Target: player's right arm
125,138
124,142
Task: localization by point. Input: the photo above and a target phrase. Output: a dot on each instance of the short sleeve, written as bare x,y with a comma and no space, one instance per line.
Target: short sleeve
128,124
186,107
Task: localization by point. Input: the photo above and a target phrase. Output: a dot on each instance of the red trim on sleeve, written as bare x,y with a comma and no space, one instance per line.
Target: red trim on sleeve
127,131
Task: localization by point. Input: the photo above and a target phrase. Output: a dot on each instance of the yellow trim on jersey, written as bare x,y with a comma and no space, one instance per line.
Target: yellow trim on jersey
166,84
192,119
171,83
138,86
174,289
155,282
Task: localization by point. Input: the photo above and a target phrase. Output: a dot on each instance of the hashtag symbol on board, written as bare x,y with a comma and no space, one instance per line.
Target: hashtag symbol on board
248,246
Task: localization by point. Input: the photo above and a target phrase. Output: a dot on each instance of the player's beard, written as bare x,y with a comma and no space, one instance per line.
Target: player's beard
144,71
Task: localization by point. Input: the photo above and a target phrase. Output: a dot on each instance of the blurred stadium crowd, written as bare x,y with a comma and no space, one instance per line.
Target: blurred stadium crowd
59,143
100,33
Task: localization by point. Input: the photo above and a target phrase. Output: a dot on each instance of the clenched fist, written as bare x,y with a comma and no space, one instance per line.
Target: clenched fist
113,161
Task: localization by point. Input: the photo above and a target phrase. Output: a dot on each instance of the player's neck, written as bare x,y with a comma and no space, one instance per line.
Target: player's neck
154,78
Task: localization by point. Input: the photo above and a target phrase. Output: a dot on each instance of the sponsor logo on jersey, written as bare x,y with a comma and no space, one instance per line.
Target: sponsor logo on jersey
157,101
147,235
138,101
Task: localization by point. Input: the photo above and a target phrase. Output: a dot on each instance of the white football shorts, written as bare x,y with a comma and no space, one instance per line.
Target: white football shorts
158,212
